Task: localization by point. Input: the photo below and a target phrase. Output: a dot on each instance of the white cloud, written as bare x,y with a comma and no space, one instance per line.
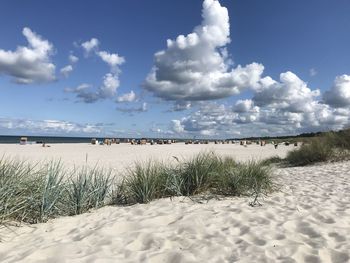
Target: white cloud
110,85
54,127
245,106
197,67
65,71
127,97
290,94
110,82
177,127
73,59
108,89
244,119
113,60
90,45
29,64
339,95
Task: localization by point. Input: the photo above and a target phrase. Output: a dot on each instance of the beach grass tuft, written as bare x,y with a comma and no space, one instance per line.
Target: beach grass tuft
318,150
142,184
205,173
34,193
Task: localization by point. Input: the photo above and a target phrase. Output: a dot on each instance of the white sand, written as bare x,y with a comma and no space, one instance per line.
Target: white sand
307,221
123,155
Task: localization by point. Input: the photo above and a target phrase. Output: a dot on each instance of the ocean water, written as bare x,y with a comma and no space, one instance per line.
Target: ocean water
46,139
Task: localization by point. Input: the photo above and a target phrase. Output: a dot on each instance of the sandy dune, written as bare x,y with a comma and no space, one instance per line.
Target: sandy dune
123,155
307,221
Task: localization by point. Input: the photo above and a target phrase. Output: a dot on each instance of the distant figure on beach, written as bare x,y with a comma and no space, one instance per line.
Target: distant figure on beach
276,145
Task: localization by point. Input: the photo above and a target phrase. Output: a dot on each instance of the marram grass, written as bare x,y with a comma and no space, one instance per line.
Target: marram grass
35,193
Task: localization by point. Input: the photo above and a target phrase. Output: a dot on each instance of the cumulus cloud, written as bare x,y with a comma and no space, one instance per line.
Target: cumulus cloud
245,119
245,106
29,64
339,95
127,97
65,71
73,59
90,45
113,60
291,93
197,67
108,89
110,85
110,82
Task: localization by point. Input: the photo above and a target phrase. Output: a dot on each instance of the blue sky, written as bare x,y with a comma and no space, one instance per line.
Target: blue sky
241,68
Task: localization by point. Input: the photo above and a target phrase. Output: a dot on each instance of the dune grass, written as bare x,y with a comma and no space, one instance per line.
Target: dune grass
331,146
318,150
34,193
205,173
143,183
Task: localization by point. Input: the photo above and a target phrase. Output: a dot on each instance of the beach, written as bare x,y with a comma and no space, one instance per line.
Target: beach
306,220
121,156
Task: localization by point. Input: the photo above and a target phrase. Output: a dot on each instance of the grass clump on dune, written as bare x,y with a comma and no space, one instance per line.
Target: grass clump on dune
87,188
250,178
32,193
198,174
202,174
19,184
142,184
330,146
318,150
339,140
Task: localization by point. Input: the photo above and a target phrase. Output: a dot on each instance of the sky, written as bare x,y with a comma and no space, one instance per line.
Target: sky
182,69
